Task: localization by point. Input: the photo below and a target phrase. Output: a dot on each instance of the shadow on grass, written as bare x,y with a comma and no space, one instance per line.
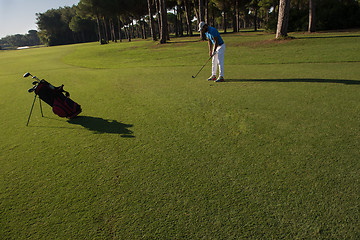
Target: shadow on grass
100,125
184,41
304,80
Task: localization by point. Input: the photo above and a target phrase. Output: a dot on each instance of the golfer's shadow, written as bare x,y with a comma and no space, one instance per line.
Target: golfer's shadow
100,125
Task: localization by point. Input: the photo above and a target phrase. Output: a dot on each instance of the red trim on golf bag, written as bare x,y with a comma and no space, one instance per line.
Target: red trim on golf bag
65,107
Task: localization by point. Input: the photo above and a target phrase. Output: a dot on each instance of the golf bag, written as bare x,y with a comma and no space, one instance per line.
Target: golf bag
61,104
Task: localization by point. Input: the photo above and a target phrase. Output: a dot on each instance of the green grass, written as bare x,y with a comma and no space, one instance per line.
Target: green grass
271,153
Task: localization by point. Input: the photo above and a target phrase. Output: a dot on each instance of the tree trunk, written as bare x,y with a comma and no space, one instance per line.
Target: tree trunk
207,11
112,26
176,21
202,17
163,20
201,11
275,14
99,28
225,17
130,31
255,20
213,18
105,30
119,29
179,16
238,22
159,17
312,16
166,21
144,29
152,29
283,20
235,28
125,32
162,36
188,20
224,21
196,11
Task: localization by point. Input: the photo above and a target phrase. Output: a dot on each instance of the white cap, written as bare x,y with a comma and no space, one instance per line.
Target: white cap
201,25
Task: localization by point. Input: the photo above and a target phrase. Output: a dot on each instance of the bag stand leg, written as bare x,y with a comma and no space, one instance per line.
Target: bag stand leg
32,109
42,115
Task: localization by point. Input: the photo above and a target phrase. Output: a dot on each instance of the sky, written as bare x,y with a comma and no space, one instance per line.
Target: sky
18,16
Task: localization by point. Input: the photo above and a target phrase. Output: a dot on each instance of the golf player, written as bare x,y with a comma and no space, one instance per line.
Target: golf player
216,49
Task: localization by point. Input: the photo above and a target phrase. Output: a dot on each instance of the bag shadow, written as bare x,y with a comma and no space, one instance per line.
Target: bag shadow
100,125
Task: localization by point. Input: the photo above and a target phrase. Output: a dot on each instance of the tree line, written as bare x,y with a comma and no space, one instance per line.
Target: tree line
19,40
116,20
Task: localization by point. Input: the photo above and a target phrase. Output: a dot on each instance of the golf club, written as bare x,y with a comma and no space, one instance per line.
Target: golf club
27,74
33,77
35,83
204,65
31,89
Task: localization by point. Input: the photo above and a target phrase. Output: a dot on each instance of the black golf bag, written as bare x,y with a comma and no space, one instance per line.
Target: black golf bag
61,104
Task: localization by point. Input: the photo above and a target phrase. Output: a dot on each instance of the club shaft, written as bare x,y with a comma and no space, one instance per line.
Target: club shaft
203,66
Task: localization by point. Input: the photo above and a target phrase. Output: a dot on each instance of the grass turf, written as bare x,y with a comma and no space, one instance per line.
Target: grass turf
271,153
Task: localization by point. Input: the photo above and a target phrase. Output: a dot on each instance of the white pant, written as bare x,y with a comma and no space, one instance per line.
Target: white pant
218,59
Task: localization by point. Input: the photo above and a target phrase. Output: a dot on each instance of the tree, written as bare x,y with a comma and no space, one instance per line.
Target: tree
91,8
179,18
223,6
150,4
213,12
202,17
312,20
19,40
163,21
283,20
84,29
32,38
138,11
54,26
188,16
254,6
236,15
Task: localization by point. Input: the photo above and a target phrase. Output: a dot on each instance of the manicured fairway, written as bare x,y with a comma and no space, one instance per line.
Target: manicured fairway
273,152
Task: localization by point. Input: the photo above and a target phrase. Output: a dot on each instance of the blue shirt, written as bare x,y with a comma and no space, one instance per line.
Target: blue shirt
211,33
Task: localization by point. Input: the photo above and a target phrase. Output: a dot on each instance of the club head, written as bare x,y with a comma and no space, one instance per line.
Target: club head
27,74
192,76
35,83
31,90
